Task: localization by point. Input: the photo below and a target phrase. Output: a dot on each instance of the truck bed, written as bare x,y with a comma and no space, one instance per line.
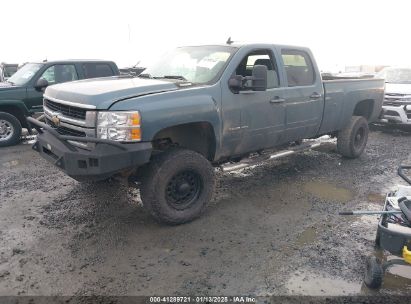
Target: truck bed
341,97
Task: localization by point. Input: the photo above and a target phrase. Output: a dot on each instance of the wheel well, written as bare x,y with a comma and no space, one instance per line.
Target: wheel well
364,108
17,112
198,136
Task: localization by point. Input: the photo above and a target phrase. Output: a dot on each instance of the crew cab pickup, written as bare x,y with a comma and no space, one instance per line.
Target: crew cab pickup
21,95
200,107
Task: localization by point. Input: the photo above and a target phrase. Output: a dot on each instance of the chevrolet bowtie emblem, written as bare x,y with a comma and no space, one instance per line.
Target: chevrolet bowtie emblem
55,120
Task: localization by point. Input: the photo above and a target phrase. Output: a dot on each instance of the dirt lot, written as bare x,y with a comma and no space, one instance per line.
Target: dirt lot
272,230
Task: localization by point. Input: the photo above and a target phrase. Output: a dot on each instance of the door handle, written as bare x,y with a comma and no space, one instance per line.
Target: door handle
315,95
277,100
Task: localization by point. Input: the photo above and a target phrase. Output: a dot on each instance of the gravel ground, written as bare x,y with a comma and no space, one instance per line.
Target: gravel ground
270,230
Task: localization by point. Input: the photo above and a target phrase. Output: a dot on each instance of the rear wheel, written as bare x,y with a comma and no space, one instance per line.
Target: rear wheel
10,130
351,141
177,186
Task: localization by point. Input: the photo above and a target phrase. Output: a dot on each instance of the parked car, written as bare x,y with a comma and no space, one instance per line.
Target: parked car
7,70
200,107
396,107
21,95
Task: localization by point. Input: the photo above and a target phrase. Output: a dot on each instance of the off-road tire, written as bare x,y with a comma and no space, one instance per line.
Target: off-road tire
177,186
13,123
373,273
351,141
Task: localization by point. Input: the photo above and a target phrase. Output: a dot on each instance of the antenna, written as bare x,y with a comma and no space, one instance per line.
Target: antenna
229,41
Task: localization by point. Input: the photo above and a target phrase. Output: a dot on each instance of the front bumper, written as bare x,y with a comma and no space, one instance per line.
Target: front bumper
105,160
396,114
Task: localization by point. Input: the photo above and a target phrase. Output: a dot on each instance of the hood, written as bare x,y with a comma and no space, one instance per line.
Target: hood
6,85
103,92
398,88
11,92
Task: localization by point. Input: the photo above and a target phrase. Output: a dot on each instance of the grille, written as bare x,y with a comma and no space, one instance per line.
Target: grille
66,110
65,131
395,94
388,102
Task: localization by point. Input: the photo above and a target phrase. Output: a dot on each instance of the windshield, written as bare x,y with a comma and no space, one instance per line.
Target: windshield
401,75
193,64
9,70
24,75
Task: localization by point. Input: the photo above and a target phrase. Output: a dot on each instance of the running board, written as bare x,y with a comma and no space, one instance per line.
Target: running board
259,159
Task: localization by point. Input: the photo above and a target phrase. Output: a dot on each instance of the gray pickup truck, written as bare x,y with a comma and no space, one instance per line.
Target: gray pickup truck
197,108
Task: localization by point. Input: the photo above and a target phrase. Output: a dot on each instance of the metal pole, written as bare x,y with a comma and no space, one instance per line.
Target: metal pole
369,212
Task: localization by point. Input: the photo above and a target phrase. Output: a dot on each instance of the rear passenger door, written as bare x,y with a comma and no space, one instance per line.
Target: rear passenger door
303,95
96,69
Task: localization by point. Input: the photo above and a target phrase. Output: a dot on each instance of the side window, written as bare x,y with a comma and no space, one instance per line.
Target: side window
260,57
298,67
93,70
60,73
49,75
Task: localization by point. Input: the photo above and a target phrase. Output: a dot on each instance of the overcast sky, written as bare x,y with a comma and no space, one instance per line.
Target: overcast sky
338,32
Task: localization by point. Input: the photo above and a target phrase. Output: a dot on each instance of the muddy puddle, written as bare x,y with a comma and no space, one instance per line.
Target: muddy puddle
376,198
328,191
306,237
10,164
303,282
399,281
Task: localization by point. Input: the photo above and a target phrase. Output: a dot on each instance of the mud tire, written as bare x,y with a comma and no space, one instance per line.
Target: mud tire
177,186
351,141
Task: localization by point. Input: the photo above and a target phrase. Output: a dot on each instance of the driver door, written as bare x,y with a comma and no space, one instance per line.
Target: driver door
262,112
54,74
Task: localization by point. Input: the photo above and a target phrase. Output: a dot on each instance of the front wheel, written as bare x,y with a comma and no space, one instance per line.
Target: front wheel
177,186
10,130
351,141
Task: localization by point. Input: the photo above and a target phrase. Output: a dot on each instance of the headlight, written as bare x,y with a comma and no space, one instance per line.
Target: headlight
119,126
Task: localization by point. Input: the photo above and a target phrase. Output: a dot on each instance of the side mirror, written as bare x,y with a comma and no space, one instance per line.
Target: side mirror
236,82
41,84
259,78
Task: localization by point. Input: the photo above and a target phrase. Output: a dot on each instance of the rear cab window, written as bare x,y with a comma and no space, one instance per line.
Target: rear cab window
93,70
298,67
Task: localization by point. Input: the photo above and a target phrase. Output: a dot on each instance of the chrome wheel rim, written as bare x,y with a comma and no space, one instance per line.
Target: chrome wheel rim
6,130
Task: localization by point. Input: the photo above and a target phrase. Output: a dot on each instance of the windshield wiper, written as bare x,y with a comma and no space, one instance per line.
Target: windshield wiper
178,77
12,83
